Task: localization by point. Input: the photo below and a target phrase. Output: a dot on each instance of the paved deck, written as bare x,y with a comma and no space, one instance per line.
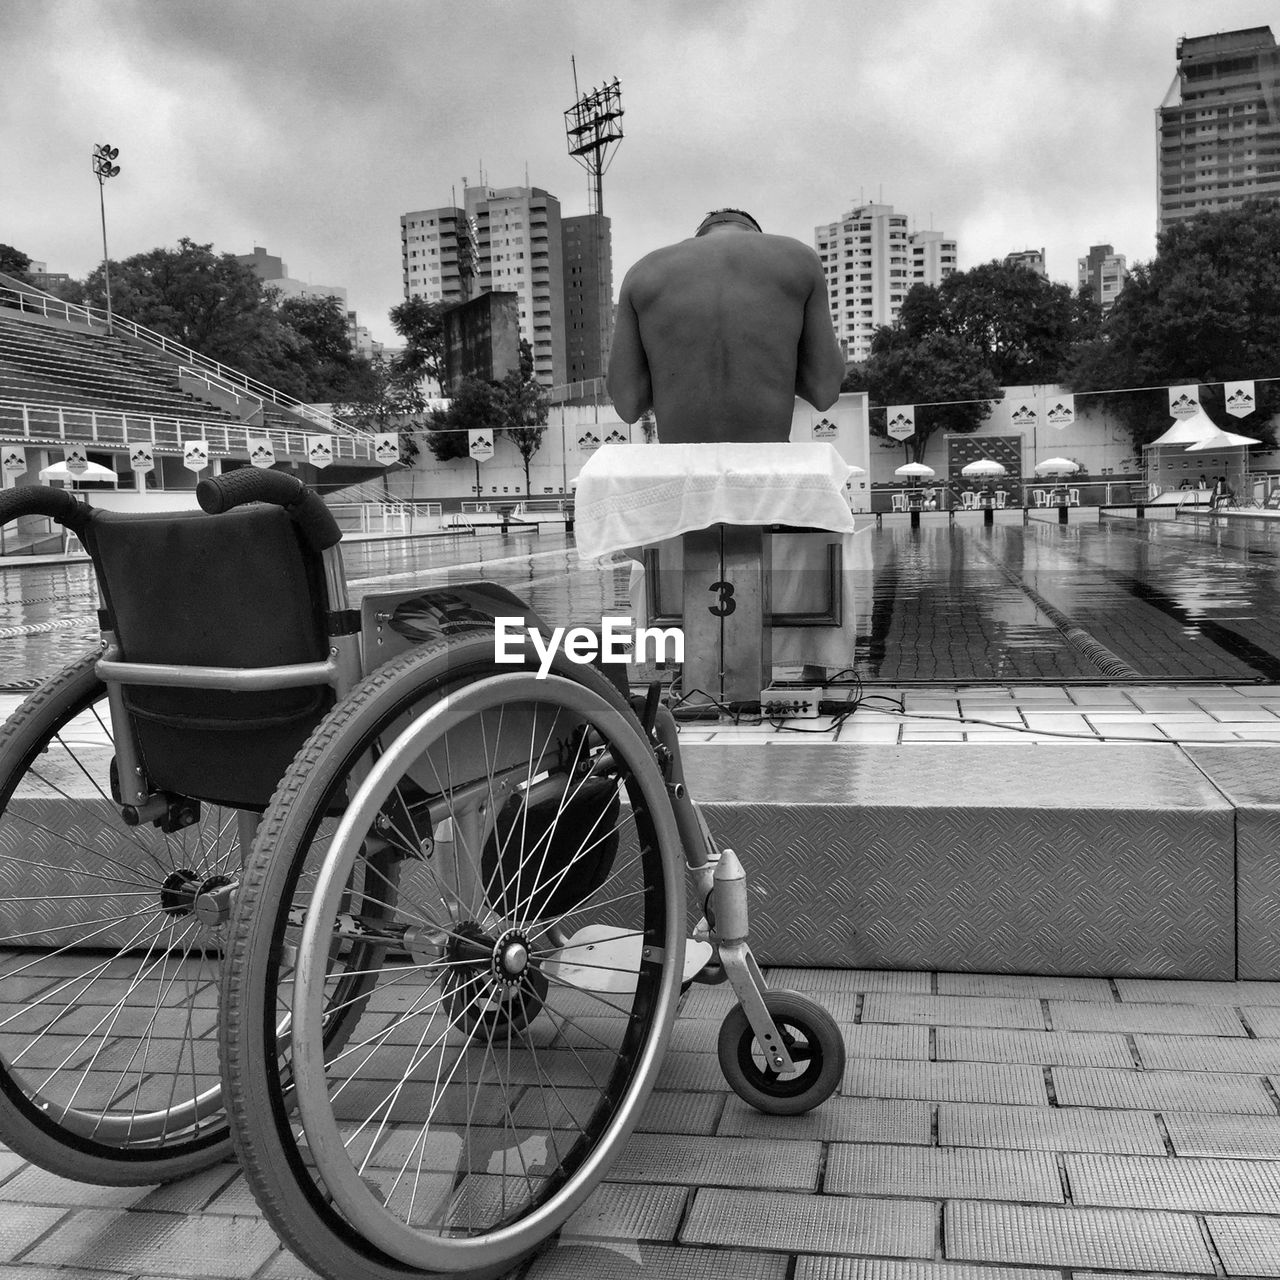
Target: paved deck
986,1127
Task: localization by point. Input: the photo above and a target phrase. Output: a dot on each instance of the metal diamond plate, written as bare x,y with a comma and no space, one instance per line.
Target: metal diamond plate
941,1173
1247,775
883,857
811,1224
1048,1129
1195,1186
1074,1237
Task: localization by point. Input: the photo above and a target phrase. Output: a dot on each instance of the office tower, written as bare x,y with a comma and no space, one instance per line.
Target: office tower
588,313
1032,259
1218,128
870,260
1103,274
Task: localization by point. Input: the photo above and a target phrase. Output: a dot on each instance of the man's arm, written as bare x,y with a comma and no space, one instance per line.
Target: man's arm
628,378
820,364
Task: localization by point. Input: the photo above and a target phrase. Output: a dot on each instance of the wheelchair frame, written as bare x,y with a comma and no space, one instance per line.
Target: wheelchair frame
780,1051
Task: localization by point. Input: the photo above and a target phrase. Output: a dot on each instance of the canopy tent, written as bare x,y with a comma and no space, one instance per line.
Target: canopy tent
1195,450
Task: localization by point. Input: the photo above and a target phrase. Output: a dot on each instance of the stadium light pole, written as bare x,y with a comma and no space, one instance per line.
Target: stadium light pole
104,167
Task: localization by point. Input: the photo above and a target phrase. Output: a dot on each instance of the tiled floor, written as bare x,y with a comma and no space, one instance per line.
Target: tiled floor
987,1127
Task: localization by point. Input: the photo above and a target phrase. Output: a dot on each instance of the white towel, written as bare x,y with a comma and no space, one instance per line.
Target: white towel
629,495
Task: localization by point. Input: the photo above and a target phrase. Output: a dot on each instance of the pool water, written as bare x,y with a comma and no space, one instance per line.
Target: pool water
1038,602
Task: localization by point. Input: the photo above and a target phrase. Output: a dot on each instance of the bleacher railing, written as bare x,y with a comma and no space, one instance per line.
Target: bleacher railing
42,304
58,424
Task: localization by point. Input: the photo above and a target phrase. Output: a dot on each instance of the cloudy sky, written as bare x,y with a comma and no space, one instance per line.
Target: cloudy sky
310,126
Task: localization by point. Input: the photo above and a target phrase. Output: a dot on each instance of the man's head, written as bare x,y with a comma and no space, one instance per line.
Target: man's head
718,218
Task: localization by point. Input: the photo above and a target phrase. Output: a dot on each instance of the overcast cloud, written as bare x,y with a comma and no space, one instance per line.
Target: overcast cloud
309,126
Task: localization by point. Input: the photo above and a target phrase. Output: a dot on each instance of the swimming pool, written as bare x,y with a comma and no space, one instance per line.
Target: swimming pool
1118,600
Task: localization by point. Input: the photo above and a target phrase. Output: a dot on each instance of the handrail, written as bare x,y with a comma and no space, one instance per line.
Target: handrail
49,306
117,428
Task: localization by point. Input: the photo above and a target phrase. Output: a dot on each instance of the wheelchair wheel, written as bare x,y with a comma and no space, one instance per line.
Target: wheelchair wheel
530,954
813,1040
108,976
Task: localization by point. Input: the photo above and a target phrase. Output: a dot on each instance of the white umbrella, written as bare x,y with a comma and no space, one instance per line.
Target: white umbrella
983,467
92,471
1056,467
914,469
1221,440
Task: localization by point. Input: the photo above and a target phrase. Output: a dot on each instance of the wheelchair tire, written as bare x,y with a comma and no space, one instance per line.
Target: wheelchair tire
490,1075
108,988
813,1040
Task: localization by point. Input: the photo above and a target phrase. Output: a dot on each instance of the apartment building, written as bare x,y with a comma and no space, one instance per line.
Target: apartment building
1103,273
587,241
1032,259
503,239
1218,128
871,259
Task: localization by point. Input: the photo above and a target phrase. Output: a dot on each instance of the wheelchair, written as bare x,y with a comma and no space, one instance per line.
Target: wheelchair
403,926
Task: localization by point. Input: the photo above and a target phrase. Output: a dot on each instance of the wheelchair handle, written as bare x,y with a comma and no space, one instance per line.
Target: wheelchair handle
253,484
42,500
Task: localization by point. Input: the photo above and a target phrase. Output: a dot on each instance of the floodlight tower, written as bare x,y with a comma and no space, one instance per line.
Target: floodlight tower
593,126
104,167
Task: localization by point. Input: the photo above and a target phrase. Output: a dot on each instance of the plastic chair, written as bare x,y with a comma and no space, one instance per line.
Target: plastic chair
969,500
1073,497
899,501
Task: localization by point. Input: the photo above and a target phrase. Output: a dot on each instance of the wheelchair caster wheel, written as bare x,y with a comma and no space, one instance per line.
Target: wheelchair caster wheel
812,1039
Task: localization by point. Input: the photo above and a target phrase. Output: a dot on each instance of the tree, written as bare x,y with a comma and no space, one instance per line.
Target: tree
474,406
421,324
210,303
943,376
320,350
386,401
13,262
1205,310
1023,327
524,407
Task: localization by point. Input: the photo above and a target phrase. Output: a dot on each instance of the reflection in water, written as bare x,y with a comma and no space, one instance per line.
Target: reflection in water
1169,600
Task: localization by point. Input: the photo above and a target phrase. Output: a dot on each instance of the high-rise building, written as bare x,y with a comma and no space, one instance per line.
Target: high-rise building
1032,259
1103,274
510,238
588,295
437,255
870,260
1218,128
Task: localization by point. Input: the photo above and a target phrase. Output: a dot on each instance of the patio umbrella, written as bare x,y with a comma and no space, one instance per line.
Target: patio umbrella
1056,467
914,470
1222,440
983,467
92,471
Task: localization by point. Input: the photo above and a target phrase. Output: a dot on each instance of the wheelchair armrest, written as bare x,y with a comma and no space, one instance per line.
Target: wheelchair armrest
252,484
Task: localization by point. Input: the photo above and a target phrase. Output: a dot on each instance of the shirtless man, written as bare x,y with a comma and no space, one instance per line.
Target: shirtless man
718,334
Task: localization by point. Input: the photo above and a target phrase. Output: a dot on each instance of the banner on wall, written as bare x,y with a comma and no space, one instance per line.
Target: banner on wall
825,430
901,421
1239,398
13,462
320,450
1060,411
616,436
1184,402
142,459
77,460
386,447
1024,415
481,445
588,440
262,453
195,455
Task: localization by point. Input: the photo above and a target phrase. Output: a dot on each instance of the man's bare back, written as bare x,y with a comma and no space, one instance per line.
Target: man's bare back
718,334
